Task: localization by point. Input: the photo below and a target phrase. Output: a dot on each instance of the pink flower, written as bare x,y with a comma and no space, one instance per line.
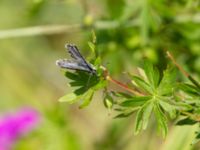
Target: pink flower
13,126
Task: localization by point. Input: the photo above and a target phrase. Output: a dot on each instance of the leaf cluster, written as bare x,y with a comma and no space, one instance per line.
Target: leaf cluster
160,95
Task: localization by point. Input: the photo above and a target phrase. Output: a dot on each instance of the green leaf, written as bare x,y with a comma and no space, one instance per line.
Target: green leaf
167,83
124,115
87,98
92,47
81,90
189,89
138,121
121,95
97,62
108,101
195,82
84,81
161,120
142,84
143,116
70,75
186,121
101,84
69,98
183,106
168,108
152,74
146,114
192,100
75,83
135,101
81,78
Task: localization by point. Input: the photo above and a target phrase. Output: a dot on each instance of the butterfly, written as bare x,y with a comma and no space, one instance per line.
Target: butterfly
77,63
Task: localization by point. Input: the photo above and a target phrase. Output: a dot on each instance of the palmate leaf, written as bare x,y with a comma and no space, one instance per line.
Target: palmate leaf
159,97
154,84
86,84
82,80
84,95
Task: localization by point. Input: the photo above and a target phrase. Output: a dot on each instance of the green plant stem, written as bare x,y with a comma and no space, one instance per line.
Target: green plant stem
57,29
38,30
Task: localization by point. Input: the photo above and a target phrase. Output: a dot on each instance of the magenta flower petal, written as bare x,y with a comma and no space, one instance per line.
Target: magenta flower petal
15,125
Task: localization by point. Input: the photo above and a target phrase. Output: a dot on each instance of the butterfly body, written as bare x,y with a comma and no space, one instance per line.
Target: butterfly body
77,63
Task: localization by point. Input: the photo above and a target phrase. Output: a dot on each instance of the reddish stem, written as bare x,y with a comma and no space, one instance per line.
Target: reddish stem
177,65
182,70
122,85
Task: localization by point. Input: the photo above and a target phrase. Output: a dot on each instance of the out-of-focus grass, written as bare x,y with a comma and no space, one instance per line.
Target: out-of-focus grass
29,77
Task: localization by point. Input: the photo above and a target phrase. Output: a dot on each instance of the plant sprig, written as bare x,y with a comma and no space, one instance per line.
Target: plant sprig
153,93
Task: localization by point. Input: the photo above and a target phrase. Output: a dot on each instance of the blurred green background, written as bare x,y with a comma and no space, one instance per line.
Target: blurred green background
32,37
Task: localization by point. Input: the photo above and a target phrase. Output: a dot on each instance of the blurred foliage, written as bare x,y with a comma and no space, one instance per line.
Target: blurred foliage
127,32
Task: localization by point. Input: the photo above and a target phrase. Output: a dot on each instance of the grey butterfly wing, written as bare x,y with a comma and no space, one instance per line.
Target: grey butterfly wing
73,50
74,65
